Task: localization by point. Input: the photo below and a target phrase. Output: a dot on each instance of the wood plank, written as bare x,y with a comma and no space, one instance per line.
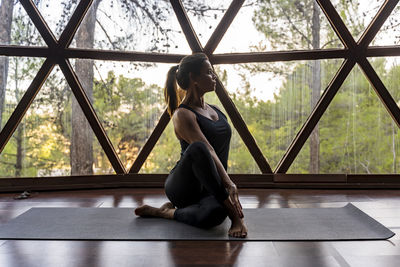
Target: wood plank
383,51
24,51
294,181
273,56
121,55
307,178
229,58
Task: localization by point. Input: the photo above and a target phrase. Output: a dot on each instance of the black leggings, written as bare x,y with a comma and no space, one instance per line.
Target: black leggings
195,188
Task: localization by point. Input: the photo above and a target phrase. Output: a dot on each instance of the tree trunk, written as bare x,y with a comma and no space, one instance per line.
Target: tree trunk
20,156
316,87
394,147
6,10
82,135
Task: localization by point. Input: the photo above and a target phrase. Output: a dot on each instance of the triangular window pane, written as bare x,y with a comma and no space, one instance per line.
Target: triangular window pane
357,15
22,32
130,25
357,135
275,99
277,25
389,34
20,73
388,70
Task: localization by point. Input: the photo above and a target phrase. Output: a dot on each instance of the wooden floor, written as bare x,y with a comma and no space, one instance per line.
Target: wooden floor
383,205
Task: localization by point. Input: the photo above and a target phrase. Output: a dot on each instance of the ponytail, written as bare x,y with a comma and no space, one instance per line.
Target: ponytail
189,64
172,98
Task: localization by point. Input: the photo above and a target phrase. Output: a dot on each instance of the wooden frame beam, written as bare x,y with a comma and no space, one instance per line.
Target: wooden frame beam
229,58
305,181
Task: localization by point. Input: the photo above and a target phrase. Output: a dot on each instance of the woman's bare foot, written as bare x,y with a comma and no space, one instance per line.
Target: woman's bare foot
238,228
165,211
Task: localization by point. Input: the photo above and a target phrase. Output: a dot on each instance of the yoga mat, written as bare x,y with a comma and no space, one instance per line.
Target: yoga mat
284,224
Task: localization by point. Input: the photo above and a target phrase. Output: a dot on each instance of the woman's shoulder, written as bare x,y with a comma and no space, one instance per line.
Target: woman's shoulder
183,114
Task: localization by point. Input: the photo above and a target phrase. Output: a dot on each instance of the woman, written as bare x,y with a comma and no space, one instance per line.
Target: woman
199,188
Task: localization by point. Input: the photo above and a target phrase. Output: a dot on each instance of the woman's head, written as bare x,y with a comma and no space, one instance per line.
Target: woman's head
189,67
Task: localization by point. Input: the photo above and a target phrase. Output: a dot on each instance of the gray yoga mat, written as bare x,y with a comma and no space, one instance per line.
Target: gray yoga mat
285,224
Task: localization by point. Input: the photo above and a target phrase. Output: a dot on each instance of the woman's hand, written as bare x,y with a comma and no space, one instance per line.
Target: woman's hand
234,196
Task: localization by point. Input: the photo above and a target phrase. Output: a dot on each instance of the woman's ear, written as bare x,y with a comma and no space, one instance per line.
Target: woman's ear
192,78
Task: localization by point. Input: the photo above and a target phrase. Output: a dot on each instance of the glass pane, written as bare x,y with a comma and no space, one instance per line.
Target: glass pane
165,153
205,15
240,159
275,99
56,13
389,34
278,25
21,30
129,25
128,99
357,15
357,134
19,75
388,70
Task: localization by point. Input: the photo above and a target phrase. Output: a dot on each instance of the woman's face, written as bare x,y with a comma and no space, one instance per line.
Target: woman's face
206,80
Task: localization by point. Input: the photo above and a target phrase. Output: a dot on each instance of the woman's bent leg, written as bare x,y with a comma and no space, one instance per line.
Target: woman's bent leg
205,214
195,176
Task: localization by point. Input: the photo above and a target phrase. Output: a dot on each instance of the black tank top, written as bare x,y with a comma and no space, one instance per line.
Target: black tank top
218,133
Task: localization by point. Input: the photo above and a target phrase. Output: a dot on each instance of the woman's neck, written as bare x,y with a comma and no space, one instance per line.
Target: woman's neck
194,100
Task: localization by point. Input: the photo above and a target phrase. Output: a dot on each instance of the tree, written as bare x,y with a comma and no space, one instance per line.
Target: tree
298,25
6,11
